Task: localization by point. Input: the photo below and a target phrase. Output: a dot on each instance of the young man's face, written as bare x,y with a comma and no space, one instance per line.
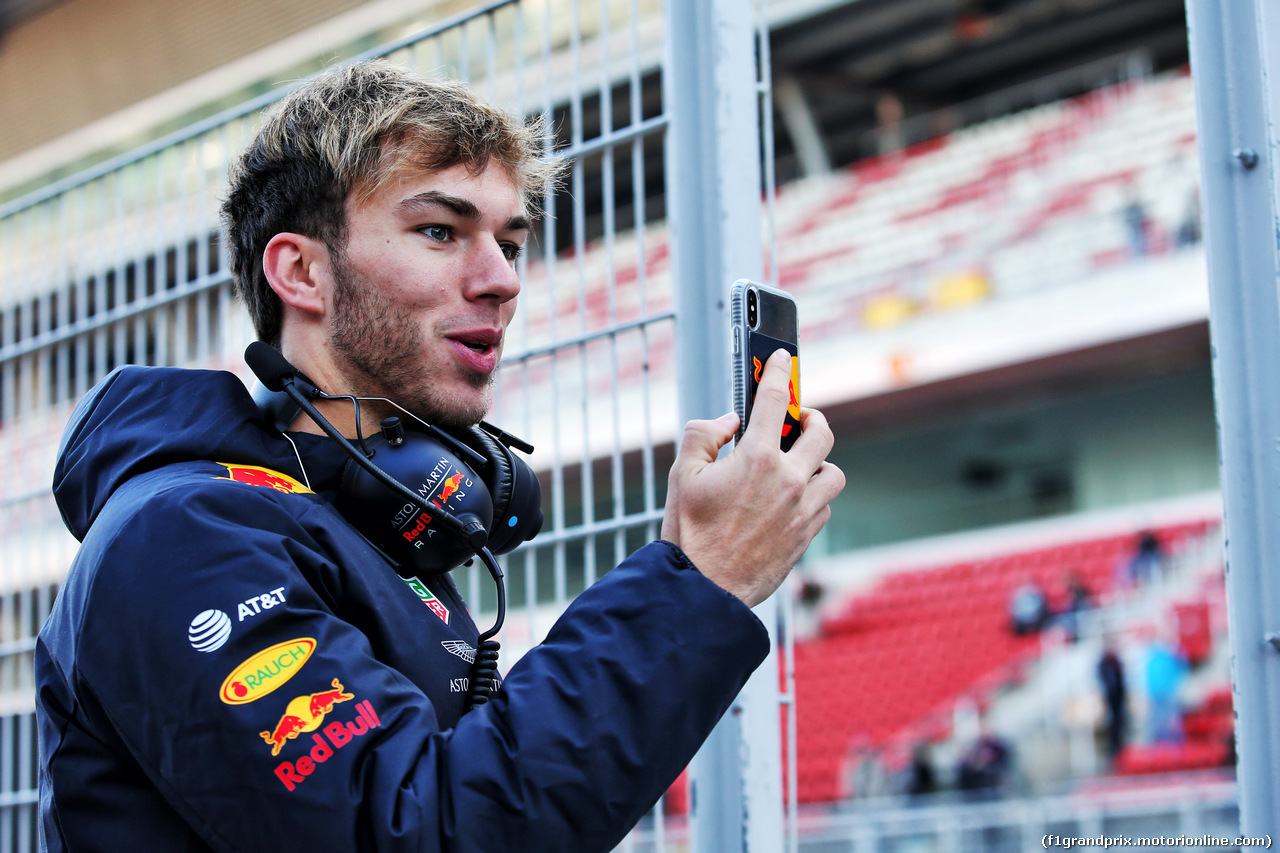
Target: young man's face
425,291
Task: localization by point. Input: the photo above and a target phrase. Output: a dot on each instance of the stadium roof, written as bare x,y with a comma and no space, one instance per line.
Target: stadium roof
930,55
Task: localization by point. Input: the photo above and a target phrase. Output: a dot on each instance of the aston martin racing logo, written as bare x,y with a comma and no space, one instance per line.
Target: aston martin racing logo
460,649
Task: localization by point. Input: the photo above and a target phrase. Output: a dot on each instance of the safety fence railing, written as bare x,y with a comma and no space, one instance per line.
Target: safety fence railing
1194,808
1195,812
18,782
126,263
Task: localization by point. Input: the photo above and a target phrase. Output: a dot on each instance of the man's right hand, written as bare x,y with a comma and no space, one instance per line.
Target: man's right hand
744,520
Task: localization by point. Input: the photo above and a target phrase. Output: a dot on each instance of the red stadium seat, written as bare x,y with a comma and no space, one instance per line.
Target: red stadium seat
889,668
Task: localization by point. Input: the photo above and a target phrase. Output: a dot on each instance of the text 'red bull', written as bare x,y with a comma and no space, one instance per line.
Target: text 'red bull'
336,735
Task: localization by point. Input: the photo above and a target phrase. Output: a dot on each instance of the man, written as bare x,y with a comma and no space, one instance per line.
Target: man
231,666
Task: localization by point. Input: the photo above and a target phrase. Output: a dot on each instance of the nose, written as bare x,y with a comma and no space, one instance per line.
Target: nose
493,274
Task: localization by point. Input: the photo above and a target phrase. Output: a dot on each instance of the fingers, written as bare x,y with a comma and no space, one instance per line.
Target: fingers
769,411
702,439
819,492
815,441
826,484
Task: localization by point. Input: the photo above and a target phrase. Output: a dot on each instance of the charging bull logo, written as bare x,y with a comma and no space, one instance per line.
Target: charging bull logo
252,475
793,389
334,737
304,714
449,489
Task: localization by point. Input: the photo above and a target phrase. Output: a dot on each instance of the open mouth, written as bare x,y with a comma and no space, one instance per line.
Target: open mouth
480,341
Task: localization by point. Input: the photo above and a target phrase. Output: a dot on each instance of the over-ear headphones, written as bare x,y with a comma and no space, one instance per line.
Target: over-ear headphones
430,499
475,476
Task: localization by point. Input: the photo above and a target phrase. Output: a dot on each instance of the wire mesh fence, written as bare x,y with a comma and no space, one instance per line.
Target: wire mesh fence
126,264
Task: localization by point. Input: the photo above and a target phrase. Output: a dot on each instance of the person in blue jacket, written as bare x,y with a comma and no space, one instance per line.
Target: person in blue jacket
232,666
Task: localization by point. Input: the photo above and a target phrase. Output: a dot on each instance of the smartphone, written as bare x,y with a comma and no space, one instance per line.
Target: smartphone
764,320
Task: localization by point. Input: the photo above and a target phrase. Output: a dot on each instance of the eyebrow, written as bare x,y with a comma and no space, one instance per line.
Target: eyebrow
458,205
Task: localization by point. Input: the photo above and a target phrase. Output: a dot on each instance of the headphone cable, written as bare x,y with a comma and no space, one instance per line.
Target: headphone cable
484,671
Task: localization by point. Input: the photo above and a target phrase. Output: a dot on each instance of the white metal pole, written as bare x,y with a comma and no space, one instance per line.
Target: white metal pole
1235,62
714,210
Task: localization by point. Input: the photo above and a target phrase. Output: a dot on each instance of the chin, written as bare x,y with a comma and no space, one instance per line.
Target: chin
456,409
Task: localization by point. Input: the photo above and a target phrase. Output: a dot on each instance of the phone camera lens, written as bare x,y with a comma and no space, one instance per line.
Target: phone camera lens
751,308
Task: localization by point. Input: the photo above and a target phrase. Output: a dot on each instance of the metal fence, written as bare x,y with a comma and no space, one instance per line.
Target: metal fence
126,264
1193,809
1194,813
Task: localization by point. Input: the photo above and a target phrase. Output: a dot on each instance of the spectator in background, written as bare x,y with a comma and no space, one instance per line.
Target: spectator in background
1146,561
1078,600
1164,673
1115,698
1028,608
1138,224
984,765
922,780
1188,232
867,778
806,620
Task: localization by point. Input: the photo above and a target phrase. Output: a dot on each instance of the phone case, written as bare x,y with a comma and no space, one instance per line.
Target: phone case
777,328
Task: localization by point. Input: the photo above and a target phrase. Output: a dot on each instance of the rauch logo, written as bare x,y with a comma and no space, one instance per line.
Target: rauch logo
266,671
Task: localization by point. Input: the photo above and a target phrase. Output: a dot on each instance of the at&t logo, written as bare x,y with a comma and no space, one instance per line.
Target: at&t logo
209,631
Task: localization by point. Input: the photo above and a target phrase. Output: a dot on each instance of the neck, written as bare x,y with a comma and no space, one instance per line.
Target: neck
342,415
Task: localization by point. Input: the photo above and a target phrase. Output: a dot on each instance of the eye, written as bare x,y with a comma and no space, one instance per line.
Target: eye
511,251
439,233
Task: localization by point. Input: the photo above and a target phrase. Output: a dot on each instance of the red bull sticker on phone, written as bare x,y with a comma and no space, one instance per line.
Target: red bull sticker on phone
266,671
761,347
253,475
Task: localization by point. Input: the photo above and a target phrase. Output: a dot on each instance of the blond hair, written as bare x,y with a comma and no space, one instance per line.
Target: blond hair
341,136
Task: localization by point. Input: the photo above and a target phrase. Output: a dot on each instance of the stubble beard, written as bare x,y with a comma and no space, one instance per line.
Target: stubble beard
378,347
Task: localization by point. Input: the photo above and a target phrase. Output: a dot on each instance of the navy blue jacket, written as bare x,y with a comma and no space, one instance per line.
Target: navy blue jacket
230,666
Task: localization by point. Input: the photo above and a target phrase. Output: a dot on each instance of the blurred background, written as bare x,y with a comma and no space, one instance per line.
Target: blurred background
988,213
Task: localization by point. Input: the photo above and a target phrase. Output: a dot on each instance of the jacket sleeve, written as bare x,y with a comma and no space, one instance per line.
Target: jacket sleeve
292,736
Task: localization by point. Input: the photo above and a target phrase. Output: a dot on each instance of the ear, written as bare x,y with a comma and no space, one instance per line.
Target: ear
297,268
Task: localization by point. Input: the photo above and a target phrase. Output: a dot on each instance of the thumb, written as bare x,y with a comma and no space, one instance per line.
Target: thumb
703,439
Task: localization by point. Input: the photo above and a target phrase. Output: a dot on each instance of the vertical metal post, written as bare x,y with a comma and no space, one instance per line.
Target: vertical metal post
1235,61
714,212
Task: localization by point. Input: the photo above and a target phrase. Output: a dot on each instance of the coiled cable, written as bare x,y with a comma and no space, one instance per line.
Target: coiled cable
484,669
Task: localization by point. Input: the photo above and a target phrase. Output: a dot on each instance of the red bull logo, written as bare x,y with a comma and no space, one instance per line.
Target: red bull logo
304,714
414,532
252,475
793,389
449,489
324,743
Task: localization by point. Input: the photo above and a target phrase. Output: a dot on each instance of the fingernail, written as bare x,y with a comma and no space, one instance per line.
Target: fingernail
727,418
780,354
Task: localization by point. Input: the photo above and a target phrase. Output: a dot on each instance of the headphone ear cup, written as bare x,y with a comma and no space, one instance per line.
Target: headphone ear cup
403,530
497,473
514,488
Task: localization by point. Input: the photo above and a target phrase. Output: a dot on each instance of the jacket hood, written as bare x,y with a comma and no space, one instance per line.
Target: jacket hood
138,419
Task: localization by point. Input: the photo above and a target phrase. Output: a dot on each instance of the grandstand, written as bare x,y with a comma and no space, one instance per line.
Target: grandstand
1003,312
896,642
